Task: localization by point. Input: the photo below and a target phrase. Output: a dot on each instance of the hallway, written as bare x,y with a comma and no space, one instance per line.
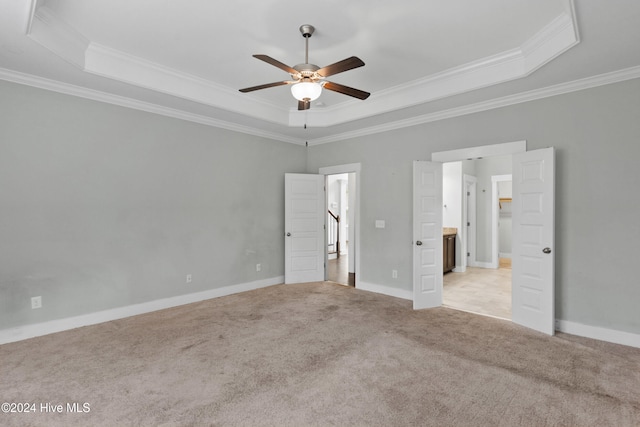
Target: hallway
338,271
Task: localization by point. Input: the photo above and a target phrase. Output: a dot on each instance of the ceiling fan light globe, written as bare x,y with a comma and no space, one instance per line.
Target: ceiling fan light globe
306,90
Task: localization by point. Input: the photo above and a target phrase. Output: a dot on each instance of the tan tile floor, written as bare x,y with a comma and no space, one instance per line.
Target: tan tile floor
480,290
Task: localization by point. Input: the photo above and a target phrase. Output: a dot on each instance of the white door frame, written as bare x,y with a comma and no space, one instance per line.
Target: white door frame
495,218
468,232
338,169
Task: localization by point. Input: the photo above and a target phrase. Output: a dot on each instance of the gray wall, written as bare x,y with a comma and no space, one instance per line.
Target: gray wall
597,136
104,207
485,169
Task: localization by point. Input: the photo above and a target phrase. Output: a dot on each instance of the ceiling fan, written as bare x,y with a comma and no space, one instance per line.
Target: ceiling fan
309,79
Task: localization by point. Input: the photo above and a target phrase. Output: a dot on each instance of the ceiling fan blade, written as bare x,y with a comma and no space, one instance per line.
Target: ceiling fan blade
275,62
346,90
304,105
339,67
265,86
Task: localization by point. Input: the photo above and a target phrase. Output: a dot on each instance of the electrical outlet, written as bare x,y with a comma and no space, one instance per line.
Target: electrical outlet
36,302
258,267
394,274
189,278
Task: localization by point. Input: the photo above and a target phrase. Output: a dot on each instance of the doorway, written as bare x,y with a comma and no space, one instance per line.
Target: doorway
351,233
533,231
472,205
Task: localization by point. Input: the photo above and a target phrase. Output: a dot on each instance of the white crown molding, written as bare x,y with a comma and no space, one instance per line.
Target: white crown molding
117,65
54,34
559,89
552,40
94,95
60,38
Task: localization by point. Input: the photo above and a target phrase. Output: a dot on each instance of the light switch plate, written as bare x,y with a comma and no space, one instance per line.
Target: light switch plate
379,223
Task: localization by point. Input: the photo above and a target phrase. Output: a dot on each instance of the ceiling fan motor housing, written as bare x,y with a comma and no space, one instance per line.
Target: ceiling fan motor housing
307,30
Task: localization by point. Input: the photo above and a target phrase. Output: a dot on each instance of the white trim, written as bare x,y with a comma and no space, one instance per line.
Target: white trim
502,149
386,290
504,255
505,101
54,34
104,61
481,264
598,333
553,39
94,95
519,98
30,331
349,168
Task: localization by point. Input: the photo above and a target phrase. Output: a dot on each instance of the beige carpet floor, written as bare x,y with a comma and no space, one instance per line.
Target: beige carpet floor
314,355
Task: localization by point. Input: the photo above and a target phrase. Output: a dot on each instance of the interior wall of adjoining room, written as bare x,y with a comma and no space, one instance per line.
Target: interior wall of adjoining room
105,206
505,223
452,202
338,204
485,169
593,130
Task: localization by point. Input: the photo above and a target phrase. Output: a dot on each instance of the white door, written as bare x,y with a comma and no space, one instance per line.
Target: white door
427,234
533,302
304,208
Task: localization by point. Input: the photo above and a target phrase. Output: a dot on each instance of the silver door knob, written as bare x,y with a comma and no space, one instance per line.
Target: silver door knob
288,234
419,243
546,250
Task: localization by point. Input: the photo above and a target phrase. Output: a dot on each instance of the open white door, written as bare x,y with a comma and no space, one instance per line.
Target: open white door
427,234
533,290
304,208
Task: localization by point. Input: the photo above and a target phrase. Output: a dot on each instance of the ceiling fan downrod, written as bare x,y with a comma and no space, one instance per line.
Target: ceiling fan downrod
307,31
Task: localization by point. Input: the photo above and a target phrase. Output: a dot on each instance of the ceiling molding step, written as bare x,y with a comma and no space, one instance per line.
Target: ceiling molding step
559,89
94,95
54,34
485,72
65,41
118,65
555,38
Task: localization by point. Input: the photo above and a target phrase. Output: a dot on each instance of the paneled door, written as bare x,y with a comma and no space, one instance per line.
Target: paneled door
427,234
533,298
304,228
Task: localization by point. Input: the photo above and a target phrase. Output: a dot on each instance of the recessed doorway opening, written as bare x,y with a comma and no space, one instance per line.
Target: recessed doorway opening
339,228
481,280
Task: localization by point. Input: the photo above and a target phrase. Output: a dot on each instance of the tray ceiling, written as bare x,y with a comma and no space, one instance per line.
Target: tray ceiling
188,60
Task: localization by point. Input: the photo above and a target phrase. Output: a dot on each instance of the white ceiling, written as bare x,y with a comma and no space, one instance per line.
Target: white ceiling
425,59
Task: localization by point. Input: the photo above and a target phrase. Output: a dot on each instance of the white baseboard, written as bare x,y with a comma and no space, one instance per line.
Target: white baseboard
504,255
459,269
598,333
38,329
484,265
386,290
